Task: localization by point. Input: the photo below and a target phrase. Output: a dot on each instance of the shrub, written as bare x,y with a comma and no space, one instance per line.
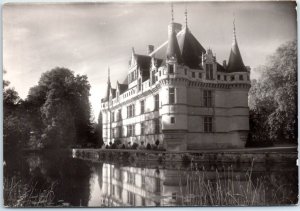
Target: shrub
148,146
134,146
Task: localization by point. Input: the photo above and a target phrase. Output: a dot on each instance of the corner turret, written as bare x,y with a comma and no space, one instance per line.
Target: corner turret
235,62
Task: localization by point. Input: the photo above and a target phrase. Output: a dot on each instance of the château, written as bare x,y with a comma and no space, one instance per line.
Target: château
180,95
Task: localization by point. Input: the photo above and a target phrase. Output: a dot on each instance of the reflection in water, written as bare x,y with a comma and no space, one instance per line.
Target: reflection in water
133,186
94,184
71,177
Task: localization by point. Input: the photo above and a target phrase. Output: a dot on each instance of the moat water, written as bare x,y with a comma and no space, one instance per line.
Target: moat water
92,183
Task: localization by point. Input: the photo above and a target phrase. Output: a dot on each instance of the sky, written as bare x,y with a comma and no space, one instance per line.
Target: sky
87,38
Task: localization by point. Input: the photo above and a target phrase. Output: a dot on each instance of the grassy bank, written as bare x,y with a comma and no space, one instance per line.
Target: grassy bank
17,194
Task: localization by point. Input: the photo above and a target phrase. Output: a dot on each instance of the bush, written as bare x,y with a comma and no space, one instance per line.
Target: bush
118,142
134,146
148,146
157,142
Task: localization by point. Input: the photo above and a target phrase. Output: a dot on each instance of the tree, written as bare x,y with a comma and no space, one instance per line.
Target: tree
16,130
63,103
273,97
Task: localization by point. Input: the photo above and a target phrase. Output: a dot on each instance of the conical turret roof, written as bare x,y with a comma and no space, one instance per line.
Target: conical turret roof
235,62
173,50
106,98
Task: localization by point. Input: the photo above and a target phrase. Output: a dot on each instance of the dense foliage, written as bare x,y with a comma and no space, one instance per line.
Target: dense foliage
273,98
55,114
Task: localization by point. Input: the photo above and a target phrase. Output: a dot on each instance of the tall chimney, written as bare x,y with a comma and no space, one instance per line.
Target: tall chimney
224,64
150,49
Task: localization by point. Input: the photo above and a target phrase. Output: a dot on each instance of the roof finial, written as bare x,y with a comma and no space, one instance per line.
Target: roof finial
234,32
108,70
172,12
185,13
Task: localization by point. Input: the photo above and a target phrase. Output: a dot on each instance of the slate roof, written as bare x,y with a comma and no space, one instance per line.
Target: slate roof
122,87
173,50
144,64
191,50
105,99
220,68
235,62
113,92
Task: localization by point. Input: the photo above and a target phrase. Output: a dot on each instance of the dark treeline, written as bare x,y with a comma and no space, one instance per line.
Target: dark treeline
55,114
273,99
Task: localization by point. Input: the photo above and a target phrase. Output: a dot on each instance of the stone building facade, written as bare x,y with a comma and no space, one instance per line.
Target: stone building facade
180,95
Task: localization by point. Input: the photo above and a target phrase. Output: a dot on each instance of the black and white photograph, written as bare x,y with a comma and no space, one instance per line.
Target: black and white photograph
150,104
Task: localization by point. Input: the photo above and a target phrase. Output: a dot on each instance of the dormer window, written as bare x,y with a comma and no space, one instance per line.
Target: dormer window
171,69
200,75
241,78
225,77
193,74
219,77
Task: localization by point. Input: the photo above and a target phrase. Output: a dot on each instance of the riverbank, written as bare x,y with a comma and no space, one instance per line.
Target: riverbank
259,155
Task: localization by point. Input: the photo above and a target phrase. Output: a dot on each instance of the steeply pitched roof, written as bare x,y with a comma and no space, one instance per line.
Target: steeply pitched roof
143,61
122,87
173,50
158,62
235,62
191,49
220,68
113,92
144,64
106,97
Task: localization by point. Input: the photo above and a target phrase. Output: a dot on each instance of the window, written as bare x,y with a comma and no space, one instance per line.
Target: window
133,130
140,85
248,78
207,98
130,198
219,77
156,100
142,128
232,78
129,130
225,77
193,74
120,190
241,78
209,72
143,201
120,131
143,181
142,106
113,190
185,71
153,77
156,126
171,95
119,115
112,116
174,196
130,111
157,185
200,75
159,73
208,124
130,178
171,69
173,120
